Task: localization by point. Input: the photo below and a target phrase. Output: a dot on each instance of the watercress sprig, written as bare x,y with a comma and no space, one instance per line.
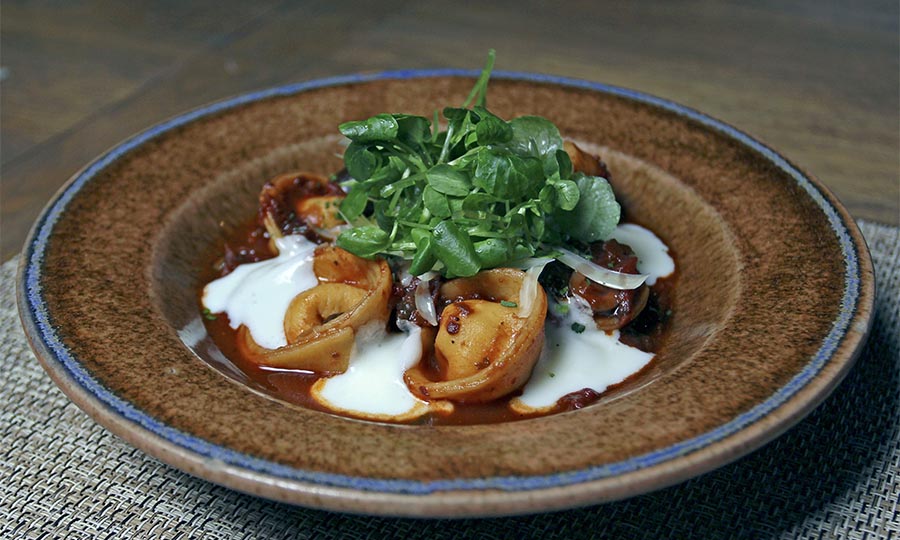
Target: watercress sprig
478,194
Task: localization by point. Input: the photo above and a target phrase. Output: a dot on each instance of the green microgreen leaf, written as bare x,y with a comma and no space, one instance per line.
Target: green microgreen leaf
455,249
491,129
445,179
492,252
534,136
478,202
424,259
381,127
365,241
547,198
507,176
355,202
455,206
413,131
564,163
567,193
436,203
596,214
360,161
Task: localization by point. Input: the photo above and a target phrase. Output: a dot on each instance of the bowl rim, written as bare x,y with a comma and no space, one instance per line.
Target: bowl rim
726,442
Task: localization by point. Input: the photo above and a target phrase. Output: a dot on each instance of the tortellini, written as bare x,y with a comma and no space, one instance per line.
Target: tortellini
483,348
321,323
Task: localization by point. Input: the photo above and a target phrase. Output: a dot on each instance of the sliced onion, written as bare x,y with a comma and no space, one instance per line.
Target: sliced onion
529,290
332,233
424,300
525,264
401,270
603,276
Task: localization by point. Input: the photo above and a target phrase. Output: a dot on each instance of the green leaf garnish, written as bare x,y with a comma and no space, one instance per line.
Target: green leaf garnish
480,194
455,249
354,203
382,127
445,179
596,214
365,241
425,257
436,203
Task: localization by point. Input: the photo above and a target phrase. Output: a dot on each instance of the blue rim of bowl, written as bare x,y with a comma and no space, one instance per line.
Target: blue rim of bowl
51,340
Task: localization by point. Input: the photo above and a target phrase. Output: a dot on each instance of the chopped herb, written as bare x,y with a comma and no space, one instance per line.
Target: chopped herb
551,374
562,309
507,303
578,327
208,315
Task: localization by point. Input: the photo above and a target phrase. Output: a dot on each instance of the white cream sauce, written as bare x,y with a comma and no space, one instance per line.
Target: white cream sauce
653,254
373,385
572,361
258,294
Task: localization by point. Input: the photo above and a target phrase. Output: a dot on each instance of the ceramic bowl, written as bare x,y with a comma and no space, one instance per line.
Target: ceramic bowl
772,305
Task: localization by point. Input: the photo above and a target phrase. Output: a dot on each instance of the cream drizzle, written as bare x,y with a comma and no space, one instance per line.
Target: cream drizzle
373,385
653,254
258,294
572,361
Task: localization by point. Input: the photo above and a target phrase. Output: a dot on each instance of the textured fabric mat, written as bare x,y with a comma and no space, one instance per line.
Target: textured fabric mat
836,474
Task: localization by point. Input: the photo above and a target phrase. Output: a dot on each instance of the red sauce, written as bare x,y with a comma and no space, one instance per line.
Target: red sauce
647,332
250,243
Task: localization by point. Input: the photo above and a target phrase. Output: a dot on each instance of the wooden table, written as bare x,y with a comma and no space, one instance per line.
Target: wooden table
816,80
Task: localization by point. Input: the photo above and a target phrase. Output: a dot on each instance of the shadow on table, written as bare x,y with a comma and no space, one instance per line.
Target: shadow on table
787,486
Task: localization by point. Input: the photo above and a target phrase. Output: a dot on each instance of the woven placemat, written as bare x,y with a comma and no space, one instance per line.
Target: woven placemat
836,474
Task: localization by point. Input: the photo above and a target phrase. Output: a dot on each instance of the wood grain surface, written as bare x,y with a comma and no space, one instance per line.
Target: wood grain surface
818,81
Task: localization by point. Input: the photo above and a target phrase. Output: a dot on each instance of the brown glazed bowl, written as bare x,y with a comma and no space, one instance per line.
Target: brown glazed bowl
772,305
